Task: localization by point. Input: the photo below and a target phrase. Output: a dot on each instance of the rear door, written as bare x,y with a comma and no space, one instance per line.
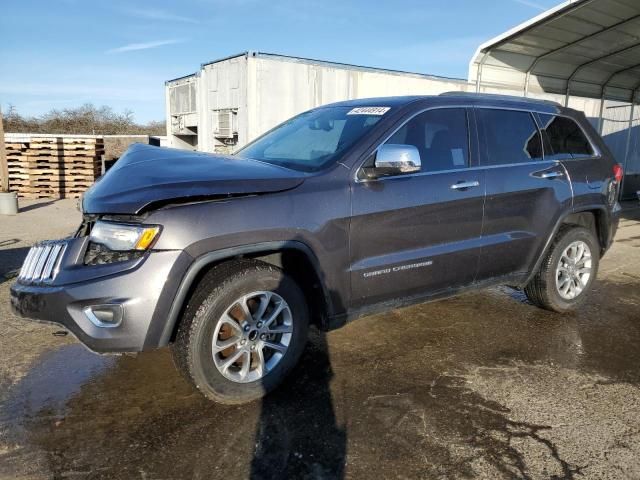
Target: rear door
419,232
526,192
568,143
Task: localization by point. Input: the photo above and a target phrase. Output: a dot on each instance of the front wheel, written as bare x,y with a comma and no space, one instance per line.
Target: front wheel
242,333
567,272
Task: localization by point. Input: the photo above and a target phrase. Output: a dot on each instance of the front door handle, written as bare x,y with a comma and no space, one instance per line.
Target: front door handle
465,185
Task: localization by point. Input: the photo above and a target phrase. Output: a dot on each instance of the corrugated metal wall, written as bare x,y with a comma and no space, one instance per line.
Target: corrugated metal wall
286,87
621,135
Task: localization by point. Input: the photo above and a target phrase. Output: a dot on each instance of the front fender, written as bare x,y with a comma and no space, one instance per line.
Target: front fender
163,336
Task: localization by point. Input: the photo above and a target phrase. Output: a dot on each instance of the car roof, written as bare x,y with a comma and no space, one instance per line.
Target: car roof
457,97
398,101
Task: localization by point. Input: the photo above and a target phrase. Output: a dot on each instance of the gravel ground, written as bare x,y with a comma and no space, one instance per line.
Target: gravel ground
480,386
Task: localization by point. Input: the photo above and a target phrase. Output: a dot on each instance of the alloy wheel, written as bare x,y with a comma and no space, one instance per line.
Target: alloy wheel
574,270
252,336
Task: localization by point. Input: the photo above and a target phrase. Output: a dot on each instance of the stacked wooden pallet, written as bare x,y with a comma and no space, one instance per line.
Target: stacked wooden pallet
18,176
54,167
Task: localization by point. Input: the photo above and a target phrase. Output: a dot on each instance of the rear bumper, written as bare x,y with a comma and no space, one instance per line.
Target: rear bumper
141,292
614,222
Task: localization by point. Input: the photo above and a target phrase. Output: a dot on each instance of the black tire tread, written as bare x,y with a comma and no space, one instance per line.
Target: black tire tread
538,290
213,283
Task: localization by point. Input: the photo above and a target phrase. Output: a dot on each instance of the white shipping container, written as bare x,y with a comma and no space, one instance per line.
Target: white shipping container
231,101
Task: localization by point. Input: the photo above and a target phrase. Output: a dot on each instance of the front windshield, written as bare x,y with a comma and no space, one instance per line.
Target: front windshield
314,139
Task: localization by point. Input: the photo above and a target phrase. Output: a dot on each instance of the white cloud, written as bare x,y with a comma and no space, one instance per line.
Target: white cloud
160,15
531,4
144,45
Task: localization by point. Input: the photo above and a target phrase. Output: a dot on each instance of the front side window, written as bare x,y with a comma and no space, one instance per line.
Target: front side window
313,140
441,137
510,136
566,138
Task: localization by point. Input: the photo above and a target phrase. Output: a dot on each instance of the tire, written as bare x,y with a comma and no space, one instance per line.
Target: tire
546,289
207,364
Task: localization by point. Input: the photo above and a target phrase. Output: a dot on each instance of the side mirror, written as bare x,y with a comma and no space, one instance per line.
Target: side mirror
393,159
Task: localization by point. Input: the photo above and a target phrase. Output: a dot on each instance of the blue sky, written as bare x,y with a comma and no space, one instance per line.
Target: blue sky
63,53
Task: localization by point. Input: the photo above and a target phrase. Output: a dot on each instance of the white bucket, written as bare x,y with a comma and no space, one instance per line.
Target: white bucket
8,203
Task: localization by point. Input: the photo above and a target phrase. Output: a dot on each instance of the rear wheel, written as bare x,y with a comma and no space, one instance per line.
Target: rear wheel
567,272
242,332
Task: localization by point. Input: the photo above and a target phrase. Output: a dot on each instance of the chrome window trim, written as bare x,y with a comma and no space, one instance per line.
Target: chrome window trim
597,155
469,169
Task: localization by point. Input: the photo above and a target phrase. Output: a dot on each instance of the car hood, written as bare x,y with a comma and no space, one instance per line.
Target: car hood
145,176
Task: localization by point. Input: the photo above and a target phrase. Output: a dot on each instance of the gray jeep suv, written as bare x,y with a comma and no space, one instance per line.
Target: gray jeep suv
343,210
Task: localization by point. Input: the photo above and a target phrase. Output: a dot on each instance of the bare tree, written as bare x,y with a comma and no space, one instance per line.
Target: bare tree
86,119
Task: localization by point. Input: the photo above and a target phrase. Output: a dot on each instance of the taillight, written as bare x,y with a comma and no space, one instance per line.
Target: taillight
617,172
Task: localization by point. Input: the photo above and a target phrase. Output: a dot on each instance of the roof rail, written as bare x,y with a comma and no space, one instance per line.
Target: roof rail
495,96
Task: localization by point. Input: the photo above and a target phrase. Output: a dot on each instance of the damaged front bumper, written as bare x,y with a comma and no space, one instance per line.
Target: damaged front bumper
116,307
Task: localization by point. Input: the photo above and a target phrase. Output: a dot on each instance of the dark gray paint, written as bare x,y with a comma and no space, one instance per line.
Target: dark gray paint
459,239
414,220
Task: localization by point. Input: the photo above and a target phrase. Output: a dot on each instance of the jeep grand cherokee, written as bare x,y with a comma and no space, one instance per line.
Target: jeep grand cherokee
341,211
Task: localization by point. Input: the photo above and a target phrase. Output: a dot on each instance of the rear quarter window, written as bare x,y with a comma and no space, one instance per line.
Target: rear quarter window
565,138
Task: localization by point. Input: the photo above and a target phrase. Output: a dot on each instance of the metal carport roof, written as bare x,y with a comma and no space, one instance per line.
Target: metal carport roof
587,48
584,51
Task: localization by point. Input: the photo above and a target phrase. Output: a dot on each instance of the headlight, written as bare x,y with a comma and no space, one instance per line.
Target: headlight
123,237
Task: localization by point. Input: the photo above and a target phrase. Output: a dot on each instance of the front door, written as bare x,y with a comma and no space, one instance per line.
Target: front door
419,232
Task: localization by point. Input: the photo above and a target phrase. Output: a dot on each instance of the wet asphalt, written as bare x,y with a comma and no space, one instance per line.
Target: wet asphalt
479,386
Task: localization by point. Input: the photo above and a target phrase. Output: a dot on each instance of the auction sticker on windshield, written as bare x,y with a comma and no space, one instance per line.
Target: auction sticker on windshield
368,111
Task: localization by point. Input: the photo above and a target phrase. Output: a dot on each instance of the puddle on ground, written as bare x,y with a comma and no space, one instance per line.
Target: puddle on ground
389,390
56,376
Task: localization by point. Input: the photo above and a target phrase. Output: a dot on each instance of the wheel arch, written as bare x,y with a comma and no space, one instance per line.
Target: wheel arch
592,219
595,217
295,257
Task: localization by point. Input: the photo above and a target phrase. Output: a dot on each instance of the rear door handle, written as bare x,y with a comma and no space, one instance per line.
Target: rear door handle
552,174
465,185
548,173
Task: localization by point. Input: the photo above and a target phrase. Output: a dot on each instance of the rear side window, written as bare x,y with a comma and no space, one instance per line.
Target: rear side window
510,136
441,137
566,138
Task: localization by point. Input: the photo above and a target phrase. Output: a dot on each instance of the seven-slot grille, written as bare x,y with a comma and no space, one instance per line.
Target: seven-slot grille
42,262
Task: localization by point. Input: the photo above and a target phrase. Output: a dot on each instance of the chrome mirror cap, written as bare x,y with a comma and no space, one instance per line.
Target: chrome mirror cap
395,158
